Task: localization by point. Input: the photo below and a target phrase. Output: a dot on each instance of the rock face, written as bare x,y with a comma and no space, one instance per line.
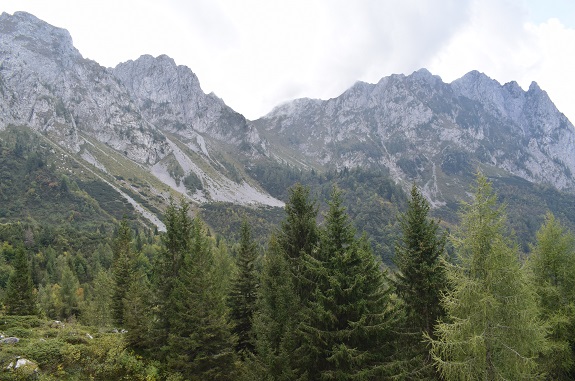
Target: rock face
423,129
151,112
45,83
171,98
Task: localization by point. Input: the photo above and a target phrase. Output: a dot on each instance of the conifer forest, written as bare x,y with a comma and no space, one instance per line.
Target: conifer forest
313,302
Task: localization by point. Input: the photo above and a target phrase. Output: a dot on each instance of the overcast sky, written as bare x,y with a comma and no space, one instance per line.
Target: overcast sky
256,54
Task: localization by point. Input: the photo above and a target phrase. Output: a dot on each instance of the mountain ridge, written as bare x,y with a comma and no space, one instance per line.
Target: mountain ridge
148,118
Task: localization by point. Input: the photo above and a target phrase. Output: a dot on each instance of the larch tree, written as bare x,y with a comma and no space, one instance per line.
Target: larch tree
552,262
419,282
491,330
20,298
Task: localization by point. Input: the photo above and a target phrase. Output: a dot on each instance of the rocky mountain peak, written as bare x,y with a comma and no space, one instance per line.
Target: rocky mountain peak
37,37
170,97
422,129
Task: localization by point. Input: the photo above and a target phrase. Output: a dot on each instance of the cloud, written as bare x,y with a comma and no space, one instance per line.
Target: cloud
501,42
320,48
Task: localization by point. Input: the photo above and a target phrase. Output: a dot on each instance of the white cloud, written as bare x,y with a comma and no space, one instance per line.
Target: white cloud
500,42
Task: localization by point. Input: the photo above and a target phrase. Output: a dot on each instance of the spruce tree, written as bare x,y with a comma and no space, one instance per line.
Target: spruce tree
200,343
553,265
348,325
299,236
243,295
175,243
491,330
20,298
274,318
296,239
122,270
137,318
420,282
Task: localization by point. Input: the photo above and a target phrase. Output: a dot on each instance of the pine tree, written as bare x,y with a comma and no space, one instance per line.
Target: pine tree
20,298
97,311
420,282
553,265
491,330
242,299
200,343
347,326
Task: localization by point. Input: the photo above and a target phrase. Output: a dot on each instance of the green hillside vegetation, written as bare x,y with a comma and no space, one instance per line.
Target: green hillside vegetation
312,302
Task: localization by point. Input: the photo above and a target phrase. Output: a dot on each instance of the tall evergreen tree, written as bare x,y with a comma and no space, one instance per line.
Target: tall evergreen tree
420,282
299,235
347,327
20,298
243,295
122,270
274,318
200,343
491,330
175,243
286,285
137,318
553,265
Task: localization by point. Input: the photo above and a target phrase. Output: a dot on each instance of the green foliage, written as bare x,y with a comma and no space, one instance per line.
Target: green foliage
491,329
553,265
348,324
20,298
123,270
200,344
420,281
192,182
243,294
274,317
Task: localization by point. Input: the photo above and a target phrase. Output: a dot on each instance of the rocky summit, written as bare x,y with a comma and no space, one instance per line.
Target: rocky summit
432,132
149,119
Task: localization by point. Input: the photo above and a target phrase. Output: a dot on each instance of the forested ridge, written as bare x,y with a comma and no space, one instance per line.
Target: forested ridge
311,303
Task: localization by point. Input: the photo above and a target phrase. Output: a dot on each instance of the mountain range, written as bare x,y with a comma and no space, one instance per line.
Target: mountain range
147,130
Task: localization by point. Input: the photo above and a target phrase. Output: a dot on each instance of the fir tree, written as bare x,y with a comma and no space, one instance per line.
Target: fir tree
20,298
242,299
347,326
491,330
553,264
420,282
